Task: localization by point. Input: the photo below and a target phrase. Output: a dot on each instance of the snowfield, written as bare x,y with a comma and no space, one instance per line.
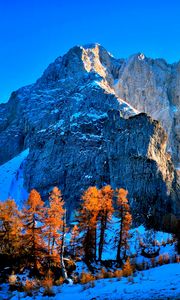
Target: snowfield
158,283
11,179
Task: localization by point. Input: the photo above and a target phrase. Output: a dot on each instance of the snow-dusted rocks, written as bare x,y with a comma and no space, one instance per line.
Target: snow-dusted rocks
81,123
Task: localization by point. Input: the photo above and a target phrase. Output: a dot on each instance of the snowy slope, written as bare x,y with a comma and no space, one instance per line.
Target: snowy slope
158,283
11,179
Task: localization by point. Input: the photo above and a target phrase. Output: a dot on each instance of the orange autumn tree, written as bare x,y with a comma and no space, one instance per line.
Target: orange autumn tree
10,229
53,228
74,240
88,215
123,210
105,213
34,215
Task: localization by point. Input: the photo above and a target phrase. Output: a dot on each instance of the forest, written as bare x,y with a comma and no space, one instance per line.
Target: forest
37,242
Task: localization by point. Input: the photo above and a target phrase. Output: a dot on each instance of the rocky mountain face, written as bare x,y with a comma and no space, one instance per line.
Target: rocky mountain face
85,122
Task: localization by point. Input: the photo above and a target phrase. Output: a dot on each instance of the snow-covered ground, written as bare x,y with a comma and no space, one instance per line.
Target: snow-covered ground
158,283
136,234
11,179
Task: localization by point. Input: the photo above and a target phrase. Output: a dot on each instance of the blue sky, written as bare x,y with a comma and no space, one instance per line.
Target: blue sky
34,32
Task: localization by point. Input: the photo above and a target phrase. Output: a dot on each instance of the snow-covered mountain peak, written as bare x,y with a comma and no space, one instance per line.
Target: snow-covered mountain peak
91,60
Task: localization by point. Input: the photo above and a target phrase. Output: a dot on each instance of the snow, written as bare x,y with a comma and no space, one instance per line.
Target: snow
174,108
74,116
55,111
136,234
42,130
141,56
11,179
93,116
58,124
88,176
156,283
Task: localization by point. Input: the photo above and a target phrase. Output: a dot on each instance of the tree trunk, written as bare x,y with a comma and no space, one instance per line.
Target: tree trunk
64,273
102,232
118,257
34,246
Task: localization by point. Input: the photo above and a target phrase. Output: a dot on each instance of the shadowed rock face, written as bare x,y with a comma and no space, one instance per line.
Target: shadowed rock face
81,133
127,153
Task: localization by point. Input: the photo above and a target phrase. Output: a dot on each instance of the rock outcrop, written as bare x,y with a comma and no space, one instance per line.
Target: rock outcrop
84,127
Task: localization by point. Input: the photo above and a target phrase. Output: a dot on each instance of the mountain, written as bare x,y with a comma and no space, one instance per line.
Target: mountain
92,119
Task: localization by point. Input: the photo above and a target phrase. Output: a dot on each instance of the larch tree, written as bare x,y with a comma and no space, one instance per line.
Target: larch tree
10,228
88,221
74,240
123,210
55,227
105,213
54,220
34,215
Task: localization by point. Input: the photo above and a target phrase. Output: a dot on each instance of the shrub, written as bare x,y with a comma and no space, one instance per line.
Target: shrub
166,258
12,279
177,259
160,260
118,274
127,268
104,274
86,277
47,283
60,281
30,286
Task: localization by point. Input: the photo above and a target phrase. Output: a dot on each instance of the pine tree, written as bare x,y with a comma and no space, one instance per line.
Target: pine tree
123,209
105,214
88,221
34,215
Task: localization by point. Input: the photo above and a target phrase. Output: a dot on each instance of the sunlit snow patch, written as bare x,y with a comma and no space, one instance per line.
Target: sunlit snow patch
11,179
